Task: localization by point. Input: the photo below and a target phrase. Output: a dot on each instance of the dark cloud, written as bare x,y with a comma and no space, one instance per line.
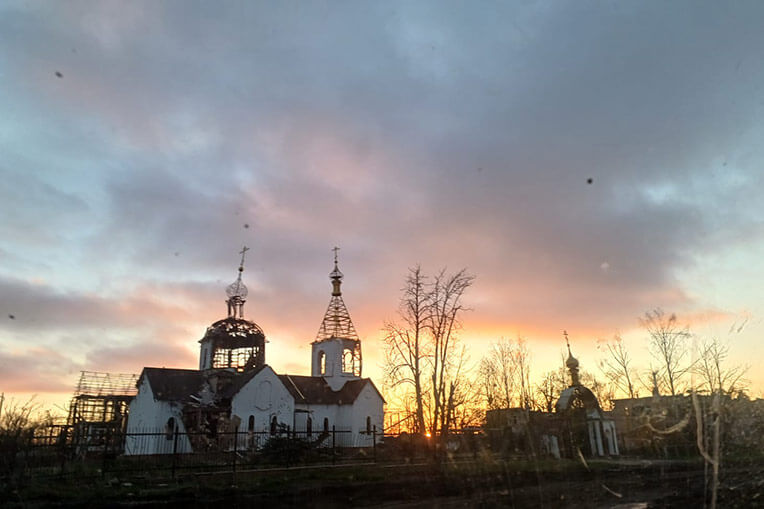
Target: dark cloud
38,307
576,157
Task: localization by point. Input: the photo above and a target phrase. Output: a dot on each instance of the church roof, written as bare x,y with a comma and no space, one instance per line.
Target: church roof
173,384
578,396
315,390
180,384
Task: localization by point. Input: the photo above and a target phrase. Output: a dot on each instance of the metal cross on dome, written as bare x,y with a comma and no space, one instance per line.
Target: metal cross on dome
242,253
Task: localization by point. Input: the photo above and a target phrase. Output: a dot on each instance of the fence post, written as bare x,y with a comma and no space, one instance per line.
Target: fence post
334,443
30,442
62,438
174,451
235,452
106,438
374,442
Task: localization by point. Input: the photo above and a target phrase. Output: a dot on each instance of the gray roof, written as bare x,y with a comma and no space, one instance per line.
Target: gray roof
578,396
173,384
315,391
180,384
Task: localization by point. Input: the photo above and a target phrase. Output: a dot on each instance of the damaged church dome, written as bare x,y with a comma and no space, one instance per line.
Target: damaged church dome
233,342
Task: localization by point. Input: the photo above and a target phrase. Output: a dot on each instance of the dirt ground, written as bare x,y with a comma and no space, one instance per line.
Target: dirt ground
612,484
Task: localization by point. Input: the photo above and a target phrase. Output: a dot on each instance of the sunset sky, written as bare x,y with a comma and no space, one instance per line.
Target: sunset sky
143,143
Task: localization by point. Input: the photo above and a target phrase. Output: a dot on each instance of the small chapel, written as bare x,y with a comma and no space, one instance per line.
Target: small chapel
234,388
577,427
585,427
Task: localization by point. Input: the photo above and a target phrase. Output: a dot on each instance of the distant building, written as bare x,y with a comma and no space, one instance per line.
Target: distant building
577,424
235,390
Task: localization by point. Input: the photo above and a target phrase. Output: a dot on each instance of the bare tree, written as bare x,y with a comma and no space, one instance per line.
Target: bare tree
406,340
18,424
720,381
468,405
498,376
460,393
716,377
668,346
617,367
602,390
523,368
422,351
445,308
549,388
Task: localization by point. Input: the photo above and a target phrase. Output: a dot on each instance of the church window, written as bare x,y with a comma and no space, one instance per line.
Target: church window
274,425
368,425
251,424
326,424
309,427
322,362
169,428
347,360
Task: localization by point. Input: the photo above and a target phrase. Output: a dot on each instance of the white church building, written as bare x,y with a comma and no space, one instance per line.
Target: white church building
187,410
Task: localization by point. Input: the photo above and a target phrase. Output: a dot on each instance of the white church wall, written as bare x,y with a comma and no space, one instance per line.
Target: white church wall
369,405
263,397
147,425
317,415
320,415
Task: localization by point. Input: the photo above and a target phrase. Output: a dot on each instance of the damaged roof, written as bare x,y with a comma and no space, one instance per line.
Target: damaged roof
314,390
173,384
180,384
183,385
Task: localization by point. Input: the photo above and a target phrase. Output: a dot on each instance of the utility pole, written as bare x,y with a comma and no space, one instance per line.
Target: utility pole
2,400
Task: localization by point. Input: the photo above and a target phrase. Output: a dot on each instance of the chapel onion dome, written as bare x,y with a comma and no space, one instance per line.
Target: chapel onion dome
571,363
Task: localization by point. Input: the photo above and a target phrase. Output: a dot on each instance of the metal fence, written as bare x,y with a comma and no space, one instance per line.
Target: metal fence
63,451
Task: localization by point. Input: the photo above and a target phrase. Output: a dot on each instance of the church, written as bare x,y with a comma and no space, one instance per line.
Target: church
234,388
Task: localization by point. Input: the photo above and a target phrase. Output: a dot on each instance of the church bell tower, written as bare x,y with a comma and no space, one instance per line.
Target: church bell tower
336,352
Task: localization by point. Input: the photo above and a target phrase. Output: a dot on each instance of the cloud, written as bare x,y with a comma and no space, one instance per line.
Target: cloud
446,135
37,370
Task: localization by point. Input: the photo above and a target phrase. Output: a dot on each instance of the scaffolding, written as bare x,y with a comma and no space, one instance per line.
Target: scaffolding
98,409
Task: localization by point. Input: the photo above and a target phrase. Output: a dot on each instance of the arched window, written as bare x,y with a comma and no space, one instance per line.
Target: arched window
309,427
251,424
169,428
368,425
347,360
322,362
326,424
274,425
